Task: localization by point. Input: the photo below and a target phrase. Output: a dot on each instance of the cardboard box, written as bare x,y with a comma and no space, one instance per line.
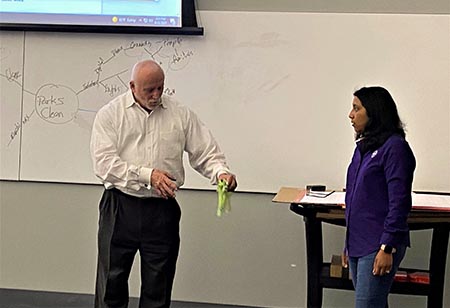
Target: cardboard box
289,195
336,266
295,195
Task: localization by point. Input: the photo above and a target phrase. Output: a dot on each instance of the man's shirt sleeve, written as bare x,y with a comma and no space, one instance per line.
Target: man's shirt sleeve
205,155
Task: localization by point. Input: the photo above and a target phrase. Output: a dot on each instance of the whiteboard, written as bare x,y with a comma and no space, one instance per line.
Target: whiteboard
274,88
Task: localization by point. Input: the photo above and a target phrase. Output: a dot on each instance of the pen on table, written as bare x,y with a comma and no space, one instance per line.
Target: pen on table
319,194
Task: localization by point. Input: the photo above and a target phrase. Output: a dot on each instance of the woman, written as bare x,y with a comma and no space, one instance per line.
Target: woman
378,196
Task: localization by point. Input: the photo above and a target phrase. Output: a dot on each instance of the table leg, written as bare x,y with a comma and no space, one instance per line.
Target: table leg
438,258
314,260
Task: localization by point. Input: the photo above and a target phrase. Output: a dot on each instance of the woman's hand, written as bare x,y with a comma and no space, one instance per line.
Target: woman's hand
382,264
344,260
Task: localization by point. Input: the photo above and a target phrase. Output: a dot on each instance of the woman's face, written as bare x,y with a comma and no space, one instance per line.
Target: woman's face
358,116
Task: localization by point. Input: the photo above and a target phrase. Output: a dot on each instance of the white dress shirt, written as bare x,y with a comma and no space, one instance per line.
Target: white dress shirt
127,143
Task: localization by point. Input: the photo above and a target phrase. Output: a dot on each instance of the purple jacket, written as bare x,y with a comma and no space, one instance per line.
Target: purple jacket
378,197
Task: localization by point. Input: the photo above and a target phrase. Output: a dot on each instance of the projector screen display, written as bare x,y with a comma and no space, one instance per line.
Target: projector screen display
114,13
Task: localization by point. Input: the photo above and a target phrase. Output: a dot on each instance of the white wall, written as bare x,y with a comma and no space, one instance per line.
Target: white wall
253,256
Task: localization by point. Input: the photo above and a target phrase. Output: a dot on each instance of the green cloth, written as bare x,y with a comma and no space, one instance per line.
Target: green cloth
224,205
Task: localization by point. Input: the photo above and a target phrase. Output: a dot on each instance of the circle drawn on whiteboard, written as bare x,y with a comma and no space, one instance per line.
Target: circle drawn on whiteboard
56,104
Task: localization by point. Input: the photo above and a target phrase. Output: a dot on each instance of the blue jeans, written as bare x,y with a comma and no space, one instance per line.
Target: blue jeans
372,291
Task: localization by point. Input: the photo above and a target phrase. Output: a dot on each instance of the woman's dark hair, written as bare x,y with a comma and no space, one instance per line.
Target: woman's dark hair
384,120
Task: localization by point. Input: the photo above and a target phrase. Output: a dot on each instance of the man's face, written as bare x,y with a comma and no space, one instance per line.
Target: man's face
147,91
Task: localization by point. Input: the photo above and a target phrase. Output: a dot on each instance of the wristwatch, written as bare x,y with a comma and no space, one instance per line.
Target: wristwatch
387,248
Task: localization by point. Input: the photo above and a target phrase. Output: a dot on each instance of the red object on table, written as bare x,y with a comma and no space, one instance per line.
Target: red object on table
419,277
401,276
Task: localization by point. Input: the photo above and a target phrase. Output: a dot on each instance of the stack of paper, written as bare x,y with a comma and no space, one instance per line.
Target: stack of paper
336,197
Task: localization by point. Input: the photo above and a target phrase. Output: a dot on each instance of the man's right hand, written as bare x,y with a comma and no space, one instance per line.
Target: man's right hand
163,183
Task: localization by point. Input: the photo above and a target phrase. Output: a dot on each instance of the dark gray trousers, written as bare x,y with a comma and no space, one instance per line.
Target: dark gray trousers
129,224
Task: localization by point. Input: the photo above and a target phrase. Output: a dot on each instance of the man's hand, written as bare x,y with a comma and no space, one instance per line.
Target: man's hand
163,183
231,180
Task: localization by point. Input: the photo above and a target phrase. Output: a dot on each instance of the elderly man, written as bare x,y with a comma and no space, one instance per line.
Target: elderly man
137,146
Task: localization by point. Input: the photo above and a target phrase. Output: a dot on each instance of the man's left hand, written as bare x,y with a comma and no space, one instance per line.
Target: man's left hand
231,180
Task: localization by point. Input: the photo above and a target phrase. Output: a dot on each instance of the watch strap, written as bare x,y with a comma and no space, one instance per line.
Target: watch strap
387,248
